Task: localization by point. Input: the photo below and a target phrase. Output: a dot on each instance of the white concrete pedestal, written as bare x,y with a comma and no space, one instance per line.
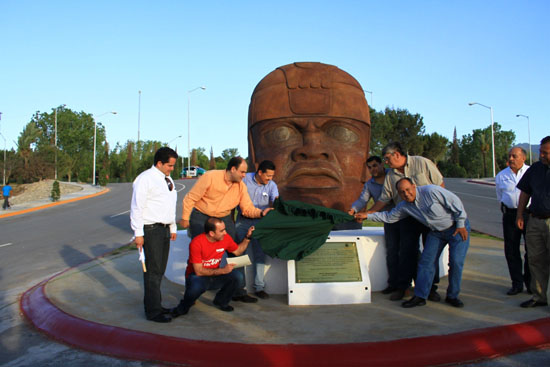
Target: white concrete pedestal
276,270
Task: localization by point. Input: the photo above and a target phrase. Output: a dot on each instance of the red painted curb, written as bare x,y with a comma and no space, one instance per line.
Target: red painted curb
131,344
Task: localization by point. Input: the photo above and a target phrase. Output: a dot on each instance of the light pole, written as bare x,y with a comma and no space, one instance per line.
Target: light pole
529,137
139,113
95,132
4,175
177,137
492,131
367,91
55,139
189,126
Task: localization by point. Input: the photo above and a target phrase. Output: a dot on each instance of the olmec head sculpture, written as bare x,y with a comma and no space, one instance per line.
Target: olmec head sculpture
312,120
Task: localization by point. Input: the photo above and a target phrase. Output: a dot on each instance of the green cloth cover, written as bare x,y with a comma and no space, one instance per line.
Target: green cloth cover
294,229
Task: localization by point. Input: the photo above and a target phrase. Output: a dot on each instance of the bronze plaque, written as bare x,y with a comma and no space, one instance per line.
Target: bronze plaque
332,262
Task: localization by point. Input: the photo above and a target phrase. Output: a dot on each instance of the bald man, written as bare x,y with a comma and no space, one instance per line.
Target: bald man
508,195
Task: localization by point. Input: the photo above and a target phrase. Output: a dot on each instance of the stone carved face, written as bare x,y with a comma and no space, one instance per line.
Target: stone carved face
312,121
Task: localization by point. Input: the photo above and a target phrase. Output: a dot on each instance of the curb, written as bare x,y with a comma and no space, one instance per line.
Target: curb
481,182
459,347
11,214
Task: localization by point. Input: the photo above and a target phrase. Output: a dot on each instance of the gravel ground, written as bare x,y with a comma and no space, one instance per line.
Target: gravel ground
41,190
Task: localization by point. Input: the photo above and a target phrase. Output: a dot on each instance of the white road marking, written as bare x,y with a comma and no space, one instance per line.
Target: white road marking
116,215
477,196
6,244
127,211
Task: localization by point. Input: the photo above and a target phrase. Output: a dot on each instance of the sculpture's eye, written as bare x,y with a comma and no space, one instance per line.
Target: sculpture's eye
342,133
281,135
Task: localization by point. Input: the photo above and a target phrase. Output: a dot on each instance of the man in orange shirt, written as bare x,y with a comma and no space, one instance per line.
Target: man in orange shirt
216,194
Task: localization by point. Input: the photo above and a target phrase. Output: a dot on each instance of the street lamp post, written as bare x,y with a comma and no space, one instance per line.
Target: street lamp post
492,132
529,137
189,126
367,91
95,132
177,137
55,139
4,174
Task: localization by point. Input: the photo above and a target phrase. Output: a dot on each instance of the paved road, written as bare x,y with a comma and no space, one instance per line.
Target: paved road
36,245
481,204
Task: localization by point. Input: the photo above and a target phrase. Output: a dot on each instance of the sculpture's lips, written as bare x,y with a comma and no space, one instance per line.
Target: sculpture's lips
314,177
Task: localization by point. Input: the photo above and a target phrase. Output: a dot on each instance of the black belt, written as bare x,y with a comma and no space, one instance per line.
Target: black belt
505,209
540,216
156,225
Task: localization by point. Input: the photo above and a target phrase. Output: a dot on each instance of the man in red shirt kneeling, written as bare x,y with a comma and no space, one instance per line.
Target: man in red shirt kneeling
203,267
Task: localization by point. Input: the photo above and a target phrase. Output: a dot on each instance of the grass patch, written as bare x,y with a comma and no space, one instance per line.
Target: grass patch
475,233
125,248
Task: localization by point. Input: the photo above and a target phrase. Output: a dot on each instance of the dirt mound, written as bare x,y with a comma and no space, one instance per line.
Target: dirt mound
40,190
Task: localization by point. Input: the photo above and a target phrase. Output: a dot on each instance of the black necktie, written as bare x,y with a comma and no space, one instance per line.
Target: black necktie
170,186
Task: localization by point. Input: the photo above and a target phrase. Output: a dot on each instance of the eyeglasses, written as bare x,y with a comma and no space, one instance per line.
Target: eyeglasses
170,185
387,157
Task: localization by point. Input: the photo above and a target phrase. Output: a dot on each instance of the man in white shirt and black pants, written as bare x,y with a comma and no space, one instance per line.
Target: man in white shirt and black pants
153,220
508,195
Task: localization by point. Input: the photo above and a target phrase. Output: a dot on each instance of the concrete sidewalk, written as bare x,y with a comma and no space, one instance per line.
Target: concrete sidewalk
86,192
98,307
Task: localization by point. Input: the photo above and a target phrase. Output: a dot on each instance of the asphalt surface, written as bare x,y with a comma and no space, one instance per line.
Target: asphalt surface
46,240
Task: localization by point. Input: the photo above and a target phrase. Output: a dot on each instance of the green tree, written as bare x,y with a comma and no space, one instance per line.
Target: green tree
435,147
56,192
229,153
397,125
454,149
212,162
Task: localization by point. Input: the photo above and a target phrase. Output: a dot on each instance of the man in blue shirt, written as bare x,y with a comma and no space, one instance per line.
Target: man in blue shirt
263,191
373,189
6,190
443,213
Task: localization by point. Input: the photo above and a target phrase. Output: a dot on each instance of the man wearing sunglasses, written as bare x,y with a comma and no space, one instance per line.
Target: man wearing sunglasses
153,220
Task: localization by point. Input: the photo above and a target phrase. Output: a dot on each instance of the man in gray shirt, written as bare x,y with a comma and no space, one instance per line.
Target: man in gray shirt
421,171
443,213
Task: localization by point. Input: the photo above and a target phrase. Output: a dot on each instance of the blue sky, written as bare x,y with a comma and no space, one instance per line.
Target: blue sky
430,57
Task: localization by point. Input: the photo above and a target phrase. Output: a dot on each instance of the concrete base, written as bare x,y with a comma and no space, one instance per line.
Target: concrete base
276,274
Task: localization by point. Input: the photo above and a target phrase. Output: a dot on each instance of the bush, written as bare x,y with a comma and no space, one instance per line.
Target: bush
56,192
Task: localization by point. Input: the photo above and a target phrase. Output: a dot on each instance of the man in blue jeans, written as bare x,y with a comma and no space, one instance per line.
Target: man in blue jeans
263,192
443,213
203,267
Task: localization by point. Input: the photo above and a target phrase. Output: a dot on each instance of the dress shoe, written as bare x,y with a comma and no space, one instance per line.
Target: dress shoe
262,295
398,295
533,303
389,289
513,291
176,312
245,298
434,296
413,302
455,302
163,318
225,308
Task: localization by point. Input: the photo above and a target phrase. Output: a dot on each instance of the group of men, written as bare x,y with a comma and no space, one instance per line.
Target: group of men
208,216
410,198
517,186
